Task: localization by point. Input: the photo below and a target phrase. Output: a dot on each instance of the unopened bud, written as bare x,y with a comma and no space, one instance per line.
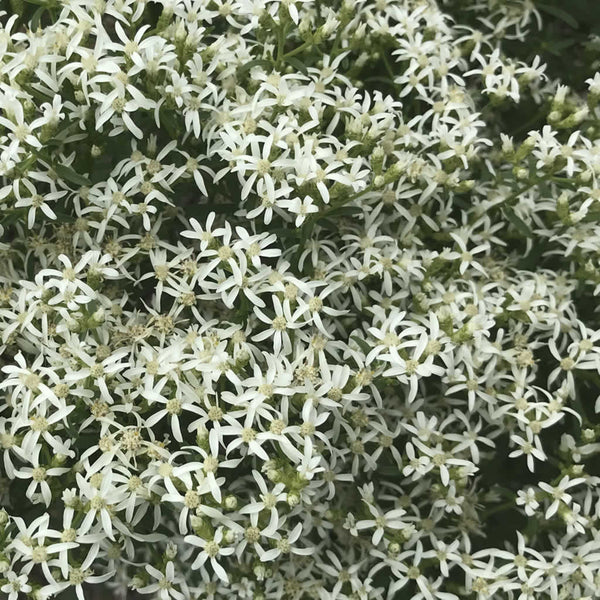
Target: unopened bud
231,502
393,173
293,499
171,551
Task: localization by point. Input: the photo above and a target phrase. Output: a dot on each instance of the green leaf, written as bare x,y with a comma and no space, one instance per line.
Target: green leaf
284,232
298,64
326,223
36,18
11,216
17,7
202,210
64,217
362,344
42,3
71,175
378,79
559,13
344,211
519,224
532,260
24,165
168,120
556,47
257,62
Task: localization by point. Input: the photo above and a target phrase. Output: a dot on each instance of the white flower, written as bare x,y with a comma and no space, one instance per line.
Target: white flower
412,369
117,107
39,475
15,585
558,493
300,207
211,550
530,447
98,501
390,520
164,586
528,500
283,287
284,546
35,201
280,325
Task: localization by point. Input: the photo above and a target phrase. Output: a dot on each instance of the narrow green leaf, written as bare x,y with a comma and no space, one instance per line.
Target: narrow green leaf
284,233
532,260
343,211
559,13
17,7
298,64
519,224
202,210
36,18
71,175
24,165
169,123
363,345
257,62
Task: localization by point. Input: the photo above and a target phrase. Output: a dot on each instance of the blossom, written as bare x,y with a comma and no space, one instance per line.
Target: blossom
558,493
164,586
211,550
300,207
14,585
284,545
380,522
284,288
280,324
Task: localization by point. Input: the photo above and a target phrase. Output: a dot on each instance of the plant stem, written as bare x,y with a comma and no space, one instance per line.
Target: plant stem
296,50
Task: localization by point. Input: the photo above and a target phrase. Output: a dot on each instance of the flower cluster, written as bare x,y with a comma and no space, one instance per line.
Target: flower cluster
297,300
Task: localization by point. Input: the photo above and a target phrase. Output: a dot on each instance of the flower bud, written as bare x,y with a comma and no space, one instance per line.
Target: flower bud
393,548
588,435
229,536
393,173
379,181
274,475
293,499
97,317
574,119
558,102
377,159
231,502
521,173
525,149
171,551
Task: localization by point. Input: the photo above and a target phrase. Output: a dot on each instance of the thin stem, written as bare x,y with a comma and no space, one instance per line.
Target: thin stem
281,36
388,68
349,199
499,508
297,50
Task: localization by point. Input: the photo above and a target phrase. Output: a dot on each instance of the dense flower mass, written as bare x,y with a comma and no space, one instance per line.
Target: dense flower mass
297,300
